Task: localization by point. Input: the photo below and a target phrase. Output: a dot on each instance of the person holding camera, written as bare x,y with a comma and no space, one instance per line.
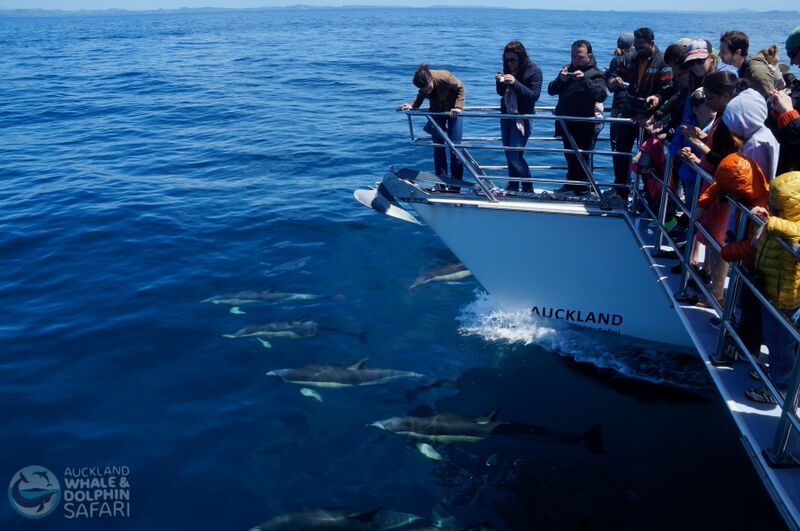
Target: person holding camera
647,80
519,86
446,94
579,86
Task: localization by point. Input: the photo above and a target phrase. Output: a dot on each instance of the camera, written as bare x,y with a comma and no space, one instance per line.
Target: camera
637,105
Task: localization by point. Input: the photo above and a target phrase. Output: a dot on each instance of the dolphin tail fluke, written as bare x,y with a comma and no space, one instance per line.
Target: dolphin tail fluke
593,439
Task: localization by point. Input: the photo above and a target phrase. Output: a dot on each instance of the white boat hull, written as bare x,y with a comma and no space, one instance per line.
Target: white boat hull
561,263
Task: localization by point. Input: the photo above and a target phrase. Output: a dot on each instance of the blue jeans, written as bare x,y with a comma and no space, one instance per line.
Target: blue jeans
454,127
782,349
517,167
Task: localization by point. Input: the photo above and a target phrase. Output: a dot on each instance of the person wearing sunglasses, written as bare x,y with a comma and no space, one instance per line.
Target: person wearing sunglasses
519,87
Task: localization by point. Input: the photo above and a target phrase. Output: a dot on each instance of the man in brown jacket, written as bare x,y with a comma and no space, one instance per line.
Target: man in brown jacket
446,95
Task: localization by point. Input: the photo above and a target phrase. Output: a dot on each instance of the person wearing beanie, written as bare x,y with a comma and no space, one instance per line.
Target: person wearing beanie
624,43
793,46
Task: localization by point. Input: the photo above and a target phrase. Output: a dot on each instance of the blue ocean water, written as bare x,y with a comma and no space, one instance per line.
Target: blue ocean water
150,162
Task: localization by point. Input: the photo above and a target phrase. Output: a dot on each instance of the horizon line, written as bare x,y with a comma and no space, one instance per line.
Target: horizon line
35,10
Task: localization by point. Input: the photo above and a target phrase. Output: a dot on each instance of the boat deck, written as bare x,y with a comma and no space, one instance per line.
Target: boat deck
757,422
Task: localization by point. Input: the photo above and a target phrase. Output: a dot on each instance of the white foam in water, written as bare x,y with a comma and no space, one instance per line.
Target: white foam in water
484,318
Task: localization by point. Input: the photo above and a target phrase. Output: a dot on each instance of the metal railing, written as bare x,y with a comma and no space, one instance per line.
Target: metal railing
738,279
463,150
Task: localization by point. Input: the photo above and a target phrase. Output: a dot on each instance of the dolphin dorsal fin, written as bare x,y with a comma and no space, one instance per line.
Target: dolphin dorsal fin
366,517
488,418
357,365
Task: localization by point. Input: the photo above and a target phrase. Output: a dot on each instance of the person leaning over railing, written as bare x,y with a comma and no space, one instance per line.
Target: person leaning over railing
719,89
519,87
776,274
446,94
579,85
647,80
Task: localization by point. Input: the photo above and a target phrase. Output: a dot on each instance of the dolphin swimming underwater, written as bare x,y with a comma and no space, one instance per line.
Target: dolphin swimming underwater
446,273
353,375
452,428
267,296
292,330
337,519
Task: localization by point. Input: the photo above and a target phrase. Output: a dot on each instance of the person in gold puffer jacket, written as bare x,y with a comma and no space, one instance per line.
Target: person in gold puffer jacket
780,273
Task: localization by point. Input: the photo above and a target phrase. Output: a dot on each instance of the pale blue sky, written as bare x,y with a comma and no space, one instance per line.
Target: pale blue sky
571,4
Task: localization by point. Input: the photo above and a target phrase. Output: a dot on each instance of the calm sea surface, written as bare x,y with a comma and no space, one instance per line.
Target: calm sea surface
151,162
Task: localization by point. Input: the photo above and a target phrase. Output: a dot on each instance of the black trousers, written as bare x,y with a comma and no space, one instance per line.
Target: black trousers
584,137
623,137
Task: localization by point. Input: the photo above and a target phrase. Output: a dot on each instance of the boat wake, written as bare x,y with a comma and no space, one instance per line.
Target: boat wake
622,355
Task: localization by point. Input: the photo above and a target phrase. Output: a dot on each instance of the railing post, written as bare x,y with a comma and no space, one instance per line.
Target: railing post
690,236
662,205
584,165
467,164
777,455
731,297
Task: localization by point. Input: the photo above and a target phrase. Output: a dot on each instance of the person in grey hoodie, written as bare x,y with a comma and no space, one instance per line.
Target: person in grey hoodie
745,116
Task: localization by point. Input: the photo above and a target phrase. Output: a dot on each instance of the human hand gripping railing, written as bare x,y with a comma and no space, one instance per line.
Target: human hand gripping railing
778,454
477,171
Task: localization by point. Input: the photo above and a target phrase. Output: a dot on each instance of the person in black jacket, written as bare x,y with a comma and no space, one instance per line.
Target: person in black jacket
579,86
647,79
519,86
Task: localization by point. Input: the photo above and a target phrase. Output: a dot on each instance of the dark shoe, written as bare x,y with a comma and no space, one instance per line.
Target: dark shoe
762,396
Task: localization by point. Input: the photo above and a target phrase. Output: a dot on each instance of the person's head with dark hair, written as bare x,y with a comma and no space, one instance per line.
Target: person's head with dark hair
423,79
720,88
674,55
515,59
581,53
644,41
733,47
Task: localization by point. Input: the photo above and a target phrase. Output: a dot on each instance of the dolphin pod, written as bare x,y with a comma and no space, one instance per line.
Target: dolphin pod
452,428
353,375
446,273
338,519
